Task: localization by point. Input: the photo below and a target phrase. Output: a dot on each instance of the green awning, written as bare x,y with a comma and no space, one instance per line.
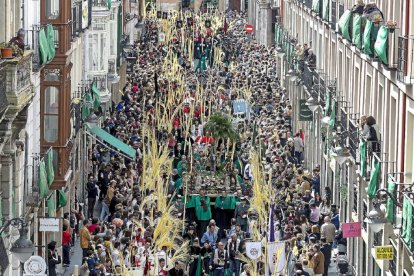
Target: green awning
390,203
96,94
49,168
363,157
114,142
332,120
407,221
43,187
381,44
51,42
356,31
374,179
51,206
367,38
43,46
343,24
325,11
62,198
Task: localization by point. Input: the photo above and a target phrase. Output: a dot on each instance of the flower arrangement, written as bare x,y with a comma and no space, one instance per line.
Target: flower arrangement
391,24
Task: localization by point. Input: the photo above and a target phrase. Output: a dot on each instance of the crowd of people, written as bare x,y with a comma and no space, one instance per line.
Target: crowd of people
209,182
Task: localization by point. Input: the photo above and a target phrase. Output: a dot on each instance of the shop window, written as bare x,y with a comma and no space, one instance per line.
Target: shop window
51,114
52,9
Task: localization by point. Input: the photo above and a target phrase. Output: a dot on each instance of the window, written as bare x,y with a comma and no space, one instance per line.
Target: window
52,9
368,92
51,114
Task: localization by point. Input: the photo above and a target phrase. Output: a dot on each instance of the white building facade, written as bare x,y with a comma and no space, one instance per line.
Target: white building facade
359,85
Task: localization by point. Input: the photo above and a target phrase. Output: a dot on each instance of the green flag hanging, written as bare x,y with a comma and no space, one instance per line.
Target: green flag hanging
407,221
325,11
62,199
43,187
363,157
49,167
51,206
356,31
109,4
43,46
96,96
381,44
367,38
86,106
315,6
343,24
51,42
332,120
390,204
374,179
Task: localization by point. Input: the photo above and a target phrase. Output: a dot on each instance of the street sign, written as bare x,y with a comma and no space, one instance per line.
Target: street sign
249,28
305,114
49,225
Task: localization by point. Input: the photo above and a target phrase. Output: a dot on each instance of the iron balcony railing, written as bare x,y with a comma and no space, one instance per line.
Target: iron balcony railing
3,101
403,66
353,141
308,77
355,205
333,14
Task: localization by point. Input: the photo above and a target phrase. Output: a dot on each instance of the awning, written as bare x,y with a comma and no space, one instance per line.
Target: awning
114,142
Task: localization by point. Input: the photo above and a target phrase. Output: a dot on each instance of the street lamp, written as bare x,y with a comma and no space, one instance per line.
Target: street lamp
23,247
341,154
312,103
376,217
325,121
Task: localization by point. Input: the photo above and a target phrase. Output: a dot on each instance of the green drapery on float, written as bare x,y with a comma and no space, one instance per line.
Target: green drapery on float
381,44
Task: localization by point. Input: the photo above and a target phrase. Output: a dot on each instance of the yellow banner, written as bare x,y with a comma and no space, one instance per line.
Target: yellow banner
384,252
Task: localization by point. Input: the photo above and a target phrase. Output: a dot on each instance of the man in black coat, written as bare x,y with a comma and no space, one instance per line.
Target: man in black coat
176,270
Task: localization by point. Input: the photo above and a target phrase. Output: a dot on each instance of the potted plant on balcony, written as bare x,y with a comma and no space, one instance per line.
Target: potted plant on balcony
10,50
6,50
391,26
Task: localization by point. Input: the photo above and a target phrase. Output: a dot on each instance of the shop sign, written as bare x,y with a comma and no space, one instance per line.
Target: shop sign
384,252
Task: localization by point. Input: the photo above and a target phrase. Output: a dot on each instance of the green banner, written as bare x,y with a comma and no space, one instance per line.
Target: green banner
49,167
62,199
356,31
407,221
390,204
327,102
51,206
86,106
96,97
51,42
374,180
305,114
43,46
367,38
363,157
43,187
381,45
344,22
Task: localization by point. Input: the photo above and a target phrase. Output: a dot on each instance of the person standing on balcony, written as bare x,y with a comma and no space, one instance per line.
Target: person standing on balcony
19,39
311,60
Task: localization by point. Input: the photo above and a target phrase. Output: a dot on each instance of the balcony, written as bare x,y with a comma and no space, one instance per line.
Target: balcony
353,141
17,83
3,103
101,3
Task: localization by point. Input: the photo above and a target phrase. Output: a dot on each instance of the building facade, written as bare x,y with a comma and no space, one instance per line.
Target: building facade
351,80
